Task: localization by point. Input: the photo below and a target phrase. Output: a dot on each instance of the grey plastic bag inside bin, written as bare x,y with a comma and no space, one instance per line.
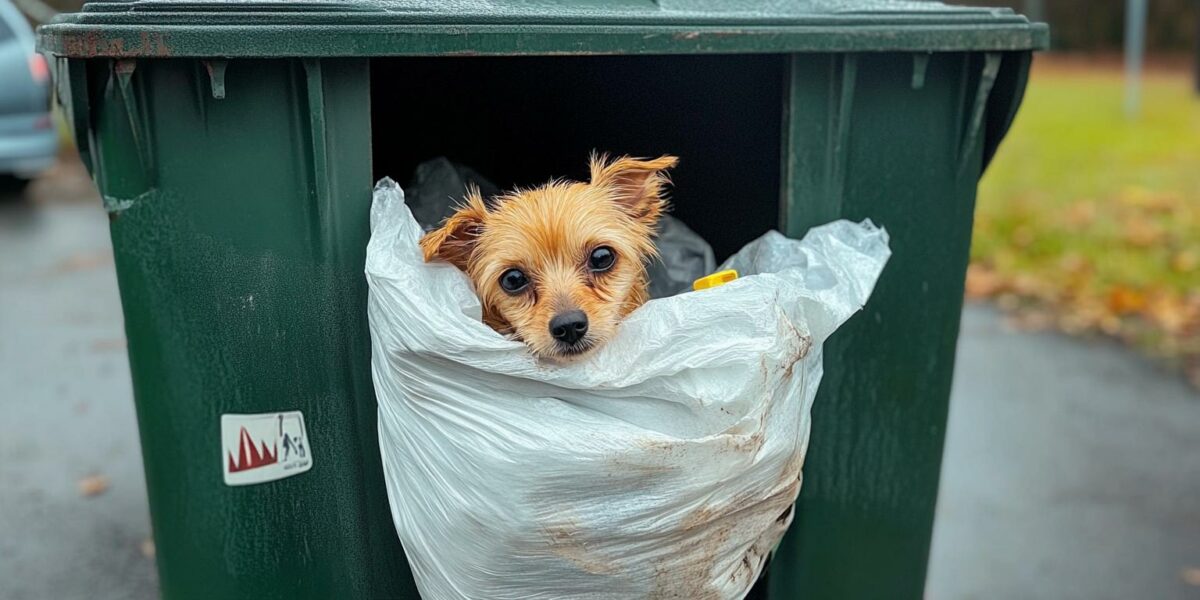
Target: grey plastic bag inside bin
438,185
683,257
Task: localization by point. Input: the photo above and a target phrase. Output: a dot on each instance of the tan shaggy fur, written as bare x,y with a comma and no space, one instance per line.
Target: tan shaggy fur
548,233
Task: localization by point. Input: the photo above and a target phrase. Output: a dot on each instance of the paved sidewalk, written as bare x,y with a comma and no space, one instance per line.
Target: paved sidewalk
66,413
1072,470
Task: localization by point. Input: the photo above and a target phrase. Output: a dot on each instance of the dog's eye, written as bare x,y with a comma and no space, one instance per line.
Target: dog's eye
602,259
513,281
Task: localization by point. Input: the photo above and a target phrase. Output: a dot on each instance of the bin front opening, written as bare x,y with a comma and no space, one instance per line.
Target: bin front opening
525,120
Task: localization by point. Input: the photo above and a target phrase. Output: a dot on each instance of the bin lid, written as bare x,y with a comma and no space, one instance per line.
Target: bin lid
275,28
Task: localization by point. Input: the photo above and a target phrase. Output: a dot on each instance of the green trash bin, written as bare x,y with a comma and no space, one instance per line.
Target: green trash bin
235,146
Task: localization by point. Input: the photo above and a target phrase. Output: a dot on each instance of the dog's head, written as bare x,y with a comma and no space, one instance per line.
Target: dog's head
560,265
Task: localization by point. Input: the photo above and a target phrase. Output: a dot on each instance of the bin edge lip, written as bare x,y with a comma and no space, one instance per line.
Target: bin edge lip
70,38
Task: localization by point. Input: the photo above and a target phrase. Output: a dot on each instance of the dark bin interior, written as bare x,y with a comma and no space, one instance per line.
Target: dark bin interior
525,120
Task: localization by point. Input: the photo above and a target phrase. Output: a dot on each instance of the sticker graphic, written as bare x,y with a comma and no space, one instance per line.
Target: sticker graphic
264,447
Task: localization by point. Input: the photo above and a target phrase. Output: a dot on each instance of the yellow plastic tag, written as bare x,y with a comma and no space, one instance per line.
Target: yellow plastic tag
717,279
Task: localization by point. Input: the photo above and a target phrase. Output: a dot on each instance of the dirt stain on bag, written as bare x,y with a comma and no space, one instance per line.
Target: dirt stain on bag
567,541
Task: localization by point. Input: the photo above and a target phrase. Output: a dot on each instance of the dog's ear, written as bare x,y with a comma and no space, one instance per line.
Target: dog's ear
454,241
638,184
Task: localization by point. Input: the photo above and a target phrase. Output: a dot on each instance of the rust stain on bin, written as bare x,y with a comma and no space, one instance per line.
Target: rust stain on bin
91,44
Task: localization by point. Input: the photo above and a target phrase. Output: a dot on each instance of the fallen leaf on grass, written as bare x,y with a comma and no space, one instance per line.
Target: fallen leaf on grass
1083,315
93,485
1142,232
1185,261
1081,213
1123,300
1022,236
1156,201
1075,263
1110,325
1171,313
1029,286
1009,302
982,282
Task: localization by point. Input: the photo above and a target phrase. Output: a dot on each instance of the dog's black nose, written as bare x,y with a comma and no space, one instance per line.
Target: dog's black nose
569,327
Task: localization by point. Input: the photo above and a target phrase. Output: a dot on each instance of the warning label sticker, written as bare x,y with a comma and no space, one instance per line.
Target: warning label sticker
264,447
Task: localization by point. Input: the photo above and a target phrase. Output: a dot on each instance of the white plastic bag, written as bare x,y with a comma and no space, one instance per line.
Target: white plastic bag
664,465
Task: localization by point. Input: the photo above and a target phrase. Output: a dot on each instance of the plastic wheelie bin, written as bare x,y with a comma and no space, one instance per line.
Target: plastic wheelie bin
235,145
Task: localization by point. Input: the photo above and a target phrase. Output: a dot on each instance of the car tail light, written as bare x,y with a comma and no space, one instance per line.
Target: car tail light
38,68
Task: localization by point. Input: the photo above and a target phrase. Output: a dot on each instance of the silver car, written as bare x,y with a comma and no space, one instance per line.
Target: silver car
28,138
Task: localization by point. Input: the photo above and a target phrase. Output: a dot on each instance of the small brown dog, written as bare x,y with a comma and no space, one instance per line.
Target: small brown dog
560,265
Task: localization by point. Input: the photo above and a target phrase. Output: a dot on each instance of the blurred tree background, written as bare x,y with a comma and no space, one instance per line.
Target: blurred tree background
1099,25
1088,222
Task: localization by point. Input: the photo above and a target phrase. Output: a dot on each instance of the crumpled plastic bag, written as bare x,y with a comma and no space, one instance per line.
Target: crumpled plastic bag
663,465
683,256
438,185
